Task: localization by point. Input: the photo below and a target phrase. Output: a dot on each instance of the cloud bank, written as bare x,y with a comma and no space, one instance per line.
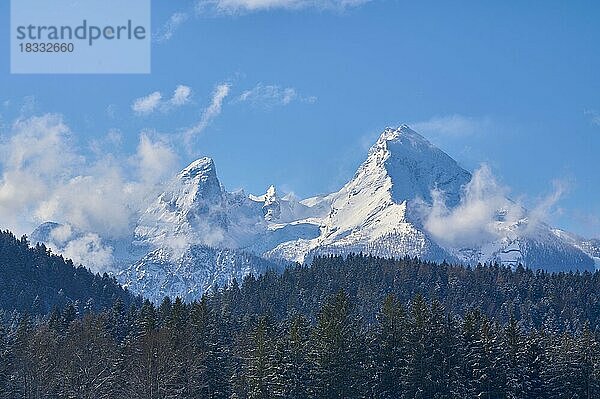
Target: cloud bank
485,213
45,178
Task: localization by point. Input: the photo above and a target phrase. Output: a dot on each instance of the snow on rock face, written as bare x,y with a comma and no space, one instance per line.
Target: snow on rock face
400,167
271,207
198,235
188,275
416,167
197,210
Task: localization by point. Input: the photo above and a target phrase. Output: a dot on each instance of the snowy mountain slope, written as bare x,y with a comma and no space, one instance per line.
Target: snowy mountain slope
189,274
195,209
401,166
590,246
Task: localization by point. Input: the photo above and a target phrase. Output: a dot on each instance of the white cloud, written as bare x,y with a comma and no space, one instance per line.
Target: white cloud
82,248
181,96
61,234
452,125
167,31
242,6
474,220
90,251
209,113
271,95
37,153
100,201
156,159
154,102
44,178
485,213
147,105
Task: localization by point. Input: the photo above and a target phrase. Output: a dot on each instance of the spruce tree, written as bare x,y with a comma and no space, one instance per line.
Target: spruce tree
336,350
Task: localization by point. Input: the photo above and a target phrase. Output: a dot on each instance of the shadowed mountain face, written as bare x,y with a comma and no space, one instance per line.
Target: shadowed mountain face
408,198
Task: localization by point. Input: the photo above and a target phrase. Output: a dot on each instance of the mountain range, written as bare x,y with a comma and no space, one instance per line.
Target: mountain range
408,198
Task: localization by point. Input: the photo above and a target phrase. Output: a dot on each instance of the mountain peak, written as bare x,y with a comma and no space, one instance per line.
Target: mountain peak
403,135
203,168
271,193
414,166
271,208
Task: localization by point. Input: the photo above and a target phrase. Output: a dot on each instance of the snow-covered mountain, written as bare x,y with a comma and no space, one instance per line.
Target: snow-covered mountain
408,198
387,206
196,235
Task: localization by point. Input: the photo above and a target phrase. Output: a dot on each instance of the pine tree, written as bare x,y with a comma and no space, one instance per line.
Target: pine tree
446,354
533,363
212,342
24,373
417,376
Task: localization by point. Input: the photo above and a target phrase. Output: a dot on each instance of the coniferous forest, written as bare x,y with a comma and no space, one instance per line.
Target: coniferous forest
345,327
33,280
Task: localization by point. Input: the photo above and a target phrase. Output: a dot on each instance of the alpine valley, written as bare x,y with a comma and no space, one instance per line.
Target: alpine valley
197,236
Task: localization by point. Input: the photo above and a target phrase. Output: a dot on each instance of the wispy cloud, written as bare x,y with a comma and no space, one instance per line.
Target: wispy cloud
452,125
594,116
547,206
166,32
153,102
240,7
269,96
111,111
474,220
209,113
244,6
28,105
148,104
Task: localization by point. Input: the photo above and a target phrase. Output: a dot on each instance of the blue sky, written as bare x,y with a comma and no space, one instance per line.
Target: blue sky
292,92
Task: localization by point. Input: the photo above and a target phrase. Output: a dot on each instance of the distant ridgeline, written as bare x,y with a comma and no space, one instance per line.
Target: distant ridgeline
34,281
